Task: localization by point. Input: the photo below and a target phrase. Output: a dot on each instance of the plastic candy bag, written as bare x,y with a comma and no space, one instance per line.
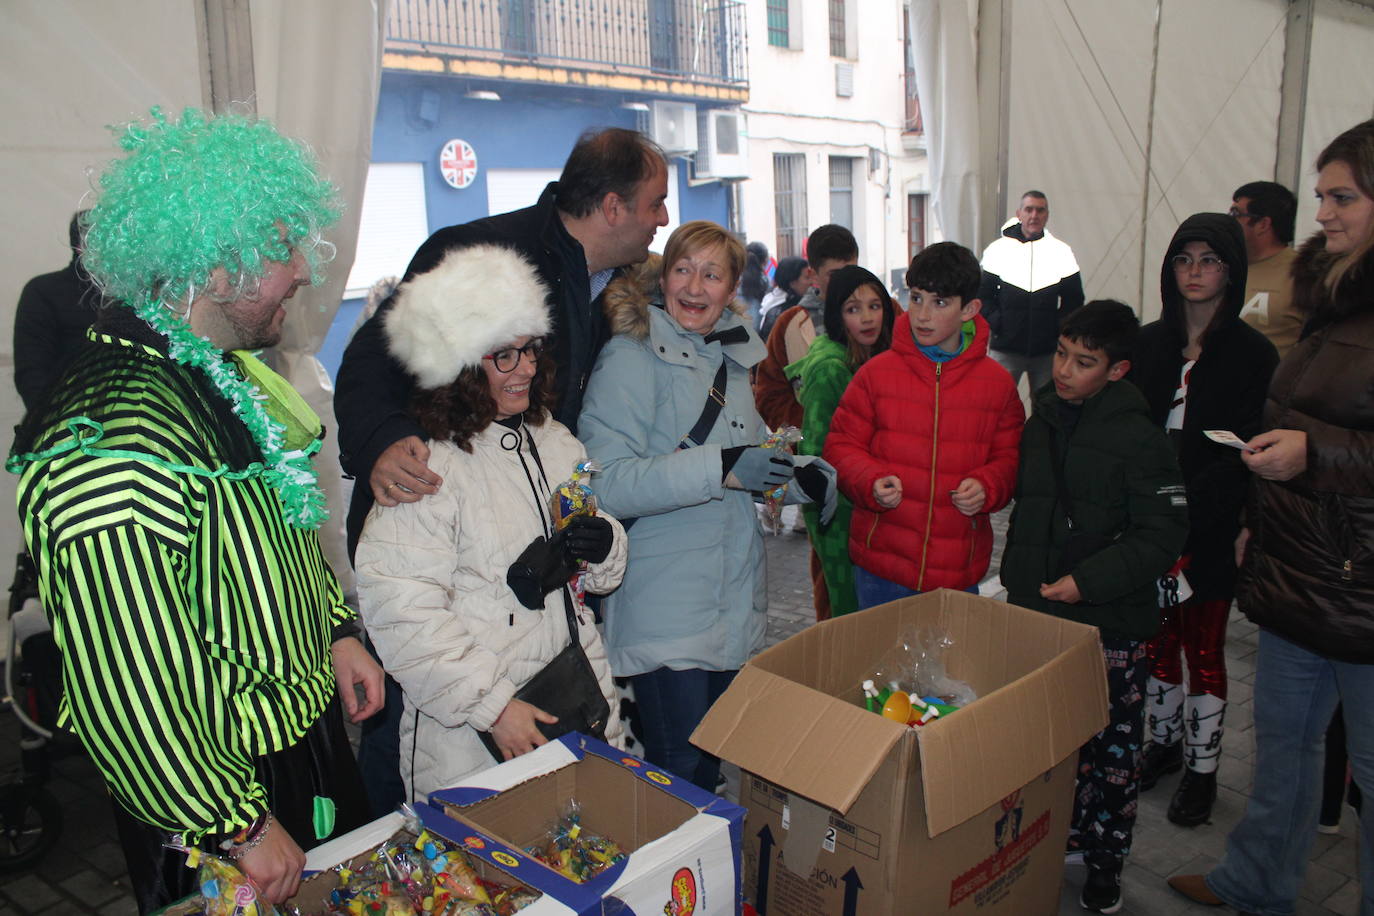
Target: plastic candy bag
226,891
573,852
573,497
785,439
909,683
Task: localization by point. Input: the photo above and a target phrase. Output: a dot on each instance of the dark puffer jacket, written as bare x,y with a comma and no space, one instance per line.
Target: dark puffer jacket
1125,484
1309,567
1226,390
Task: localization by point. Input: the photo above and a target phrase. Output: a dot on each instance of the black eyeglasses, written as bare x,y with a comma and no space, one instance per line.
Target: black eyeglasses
506,360
1238,213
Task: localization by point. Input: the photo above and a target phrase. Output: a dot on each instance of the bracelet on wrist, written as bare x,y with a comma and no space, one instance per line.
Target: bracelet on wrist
248,838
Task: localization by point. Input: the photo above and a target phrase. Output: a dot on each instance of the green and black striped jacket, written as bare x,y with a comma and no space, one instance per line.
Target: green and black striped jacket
194,623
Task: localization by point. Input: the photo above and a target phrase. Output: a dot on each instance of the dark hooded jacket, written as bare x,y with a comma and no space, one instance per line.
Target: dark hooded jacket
1309,565
50,324
1226,390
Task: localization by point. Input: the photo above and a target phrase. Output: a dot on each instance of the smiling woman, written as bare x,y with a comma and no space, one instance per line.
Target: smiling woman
465,592
670,417
1307,577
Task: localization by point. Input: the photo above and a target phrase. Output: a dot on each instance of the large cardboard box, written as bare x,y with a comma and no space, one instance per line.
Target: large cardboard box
683,843
850,813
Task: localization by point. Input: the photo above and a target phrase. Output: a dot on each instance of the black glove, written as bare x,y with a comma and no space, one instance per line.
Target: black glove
588,538
541,567
819,487
756,468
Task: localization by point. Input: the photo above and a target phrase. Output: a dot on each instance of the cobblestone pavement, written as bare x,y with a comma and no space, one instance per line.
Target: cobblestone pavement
85,873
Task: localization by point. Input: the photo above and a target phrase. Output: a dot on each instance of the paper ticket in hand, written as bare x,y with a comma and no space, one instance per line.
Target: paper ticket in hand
1226,437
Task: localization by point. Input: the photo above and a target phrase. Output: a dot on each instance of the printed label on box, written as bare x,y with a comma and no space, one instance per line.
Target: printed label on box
992,879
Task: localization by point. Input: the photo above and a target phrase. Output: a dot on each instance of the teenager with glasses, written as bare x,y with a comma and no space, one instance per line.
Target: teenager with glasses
467,590
1201,368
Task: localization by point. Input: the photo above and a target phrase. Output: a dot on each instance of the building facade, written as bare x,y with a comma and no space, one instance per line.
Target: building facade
834,129
480,104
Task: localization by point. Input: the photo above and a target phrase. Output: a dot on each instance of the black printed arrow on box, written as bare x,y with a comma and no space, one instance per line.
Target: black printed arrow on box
765,863
852,886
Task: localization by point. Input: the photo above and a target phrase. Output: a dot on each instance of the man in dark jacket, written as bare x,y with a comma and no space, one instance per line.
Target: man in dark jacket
1100,515
1030,283
600,216
50,323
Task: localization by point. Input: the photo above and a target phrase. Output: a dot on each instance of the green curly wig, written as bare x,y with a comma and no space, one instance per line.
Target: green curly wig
205,193
200,193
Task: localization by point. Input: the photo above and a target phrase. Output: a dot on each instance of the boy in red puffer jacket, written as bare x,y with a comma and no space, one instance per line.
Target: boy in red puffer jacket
926,439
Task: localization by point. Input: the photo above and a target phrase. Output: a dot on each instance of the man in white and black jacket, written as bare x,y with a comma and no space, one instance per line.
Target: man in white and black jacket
1030,283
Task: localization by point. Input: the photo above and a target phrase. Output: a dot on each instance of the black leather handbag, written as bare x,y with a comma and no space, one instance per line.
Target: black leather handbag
567,688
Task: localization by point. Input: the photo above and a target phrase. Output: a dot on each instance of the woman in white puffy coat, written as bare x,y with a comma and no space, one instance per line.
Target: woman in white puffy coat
463,592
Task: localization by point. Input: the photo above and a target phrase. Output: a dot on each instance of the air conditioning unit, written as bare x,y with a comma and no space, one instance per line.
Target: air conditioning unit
673,126
724,151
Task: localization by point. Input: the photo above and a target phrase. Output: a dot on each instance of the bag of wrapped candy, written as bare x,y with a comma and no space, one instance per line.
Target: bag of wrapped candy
417,873
574,852
785,439
224,890
573,496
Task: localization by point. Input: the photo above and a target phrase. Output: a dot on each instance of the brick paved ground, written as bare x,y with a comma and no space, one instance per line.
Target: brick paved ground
85,873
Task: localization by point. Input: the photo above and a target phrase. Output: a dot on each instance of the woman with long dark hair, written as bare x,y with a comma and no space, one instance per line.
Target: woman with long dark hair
1307,553
859,315
466,593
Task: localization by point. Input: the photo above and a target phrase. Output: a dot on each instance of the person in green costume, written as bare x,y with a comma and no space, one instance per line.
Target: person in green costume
859,315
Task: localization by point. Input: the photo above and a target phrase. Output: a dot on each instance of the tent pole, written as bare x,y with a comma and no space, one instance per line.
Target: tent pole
1149,161
226,55
1297,53
994,96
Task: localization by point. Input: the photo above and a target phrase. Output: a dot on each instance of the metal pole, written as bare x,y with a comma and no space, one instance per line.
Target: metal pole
226,55
1149,165
1297,53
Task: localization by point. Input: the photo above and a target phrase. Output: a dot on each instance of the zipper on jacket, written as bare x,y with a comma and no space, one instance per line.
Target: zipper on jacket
1346,572
868,542
930,506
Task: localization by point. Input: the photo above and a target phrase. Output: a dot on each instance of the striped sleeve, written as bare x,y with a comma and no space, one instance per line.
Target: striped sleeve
140,690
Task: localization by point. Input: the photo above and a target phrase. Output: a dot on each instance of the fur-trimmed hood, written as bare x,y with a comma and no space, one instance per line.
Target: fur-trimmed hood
1322,306
629,296
475,300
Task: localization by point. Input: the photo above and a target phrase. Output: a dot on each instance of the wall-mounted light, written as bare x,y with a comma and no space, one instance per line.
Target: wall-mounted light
636,106
482,95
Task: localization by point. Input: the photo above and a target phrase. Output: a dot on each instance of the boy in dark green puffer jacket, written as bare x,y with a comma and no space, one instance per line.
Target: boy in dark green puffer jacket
1125,495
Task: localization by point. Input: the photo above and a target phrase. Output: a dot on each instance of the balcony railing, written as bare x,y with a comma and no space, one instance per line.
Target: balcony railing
696,40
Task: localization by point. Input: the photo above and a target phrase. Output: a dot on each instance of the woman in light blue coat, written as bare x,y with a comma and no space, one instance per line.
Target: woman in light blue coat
691,608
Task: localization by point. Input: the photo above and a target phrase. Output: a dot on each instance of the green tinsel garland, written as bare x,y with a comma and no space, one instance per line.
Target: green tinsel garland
290,473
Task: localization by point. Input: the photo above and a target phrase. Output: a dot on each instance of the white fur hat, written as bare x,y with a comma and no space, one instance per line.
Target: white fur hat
474,301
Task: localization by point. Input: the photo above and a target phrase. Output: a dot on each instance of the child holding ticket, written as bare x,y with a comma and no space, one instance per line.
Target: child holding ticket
1205,373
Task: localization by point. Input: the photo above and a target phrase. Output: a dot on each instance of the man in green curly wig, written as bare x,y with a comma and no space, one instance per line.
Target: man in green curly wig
168,497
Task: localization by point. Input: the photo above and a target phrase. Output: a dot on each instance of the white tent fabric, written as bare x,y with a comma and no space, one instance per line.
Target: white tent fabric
1095,91
76,66
946,81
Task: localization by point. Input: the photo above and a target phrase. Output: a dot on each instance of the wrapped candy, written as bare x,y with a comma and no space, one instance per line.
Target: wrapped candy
786,439
573,852
573,497
225,891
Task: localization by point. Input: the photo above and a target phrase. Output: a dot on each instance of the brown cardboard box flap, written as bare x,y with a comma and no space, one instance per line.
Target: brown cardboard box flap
1019,731
816,745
